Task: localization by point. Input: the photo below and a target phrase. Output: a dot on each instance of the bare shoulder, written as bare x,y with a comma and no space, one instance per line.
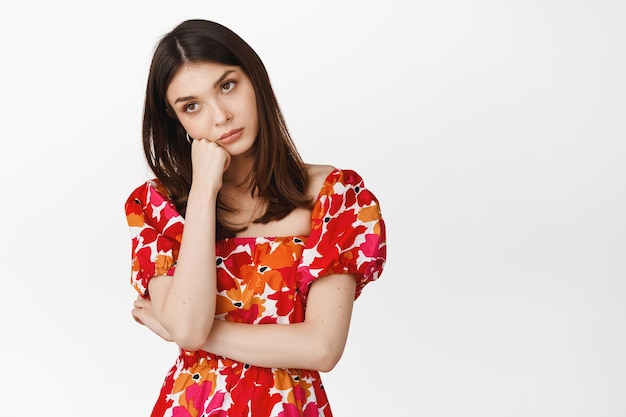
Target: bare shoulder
317,176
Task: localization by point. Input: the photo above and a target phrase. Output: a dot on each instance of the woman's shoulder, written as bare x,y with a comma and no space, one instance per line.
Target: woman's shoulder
150,197
147,187
318,175
322,177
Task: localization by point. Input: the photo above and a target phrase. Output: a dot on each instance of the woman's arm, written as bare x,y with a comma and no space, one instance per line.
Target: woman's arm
317,343
184,305
143,313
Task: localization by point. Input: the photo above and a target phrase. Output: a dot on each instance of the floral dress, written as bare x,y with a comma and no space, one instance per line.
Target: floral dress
260,280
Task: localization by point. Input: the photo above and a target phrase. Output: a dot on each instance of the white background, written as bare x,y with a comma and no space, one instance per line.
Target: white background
493,133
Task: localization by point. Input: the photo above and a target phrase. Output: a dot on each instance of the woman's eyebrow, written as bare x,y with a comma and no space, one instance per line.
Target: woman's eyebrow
179,99
219,80
215,85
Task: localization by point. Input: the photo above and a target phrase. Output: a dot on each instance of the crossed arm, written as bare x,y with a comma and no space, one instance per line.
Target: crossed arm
316,343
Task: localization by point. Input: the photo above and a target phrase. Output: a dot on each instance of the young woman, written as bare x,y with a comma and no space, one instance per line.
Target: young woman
243,255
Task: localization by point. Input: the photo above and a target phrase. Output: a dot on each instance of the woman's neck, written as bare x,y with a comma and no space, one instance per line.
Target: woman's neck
238,172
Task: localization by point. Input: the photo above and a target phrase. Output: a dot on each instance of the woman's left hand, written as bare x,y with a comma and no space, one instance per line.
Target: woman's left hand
143,313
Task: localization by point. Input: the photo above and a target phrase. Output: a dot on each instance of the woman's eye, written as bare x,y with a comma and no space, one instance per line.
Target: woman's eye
191,107
228,85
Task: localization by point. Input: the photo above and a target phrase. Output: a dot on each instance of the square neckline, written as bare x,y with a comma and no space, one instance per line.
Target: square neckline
285,237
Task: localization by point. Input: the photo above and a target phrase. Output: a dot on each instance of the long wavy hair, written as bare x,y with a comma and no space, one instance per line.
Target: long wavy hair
278,174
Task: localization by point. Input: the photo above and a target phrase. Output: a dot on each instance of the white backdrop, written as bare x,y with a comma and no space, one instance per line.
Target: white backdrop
492,132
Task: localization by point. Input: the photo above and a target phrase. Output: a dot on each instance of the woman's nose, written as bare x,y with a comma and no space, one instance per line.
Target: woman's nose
221,114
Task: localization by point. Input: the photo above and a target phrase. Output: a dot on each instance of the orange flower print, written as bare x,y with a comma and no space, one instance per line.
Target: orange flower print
163,263
235,301
195,375
260,280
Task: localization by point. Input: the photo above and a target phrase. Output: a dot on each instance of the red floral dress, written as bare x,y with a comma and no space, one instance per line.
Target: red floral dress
260,280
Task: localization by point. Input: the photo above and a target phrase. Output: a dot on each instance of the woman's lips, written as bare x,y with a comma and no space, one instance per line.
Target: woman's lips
230,136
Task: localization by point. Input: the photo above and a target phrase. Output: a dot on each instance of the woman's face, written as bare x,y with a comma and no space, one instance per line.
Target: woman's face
215,102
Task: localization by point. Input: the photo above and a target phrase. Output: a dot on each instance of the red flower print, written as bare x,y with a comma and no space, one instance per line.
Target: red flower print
260,280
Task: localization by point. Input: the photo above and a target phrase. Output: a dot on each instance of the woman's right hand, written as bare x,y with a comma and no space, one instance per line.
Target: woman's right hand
209,162
184,306
143,313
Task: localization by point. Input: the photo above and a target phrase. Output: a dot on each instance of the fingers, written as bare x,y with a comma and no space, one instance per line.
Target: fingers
209,161
227,162
136,312
204,143
140,302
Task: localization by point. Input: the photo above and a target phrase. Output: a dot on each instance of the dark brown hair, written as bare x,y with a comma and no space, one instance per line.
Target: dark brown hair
278,175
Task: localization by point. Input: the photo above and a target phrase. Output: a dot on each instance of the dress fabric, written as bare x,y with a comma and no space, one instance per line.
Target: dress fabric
260,280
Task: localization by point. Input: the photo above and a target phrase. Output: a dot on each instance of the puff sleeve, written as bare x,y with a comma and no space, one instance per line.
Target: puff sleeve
347,234
156,230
